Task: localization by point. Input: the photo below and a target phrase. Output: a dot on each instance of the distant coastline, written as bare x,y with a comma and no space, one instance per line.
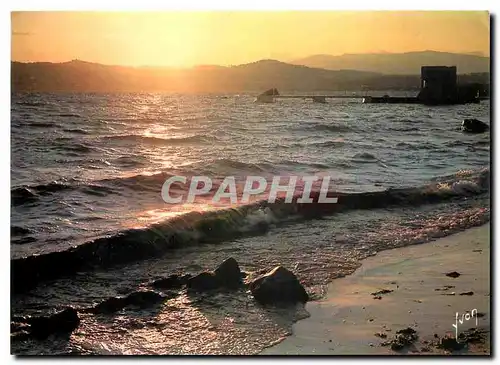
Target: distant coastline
315,73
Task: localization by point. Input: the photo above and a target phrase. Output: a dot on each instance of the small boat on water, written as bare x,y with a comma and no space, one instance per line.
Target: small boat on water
267,96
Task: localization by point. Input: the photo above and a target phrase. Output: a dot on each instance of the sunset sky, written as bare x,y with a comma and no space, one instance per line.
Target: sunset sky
183,39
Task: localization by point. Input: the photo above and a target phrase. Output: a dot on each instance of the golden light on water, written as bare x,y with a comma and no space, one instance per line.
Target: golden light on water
174,210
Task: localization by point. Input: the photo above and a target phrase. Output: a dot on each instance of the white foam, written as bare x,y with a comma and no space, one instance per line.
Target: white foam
465,187
259,216
462,187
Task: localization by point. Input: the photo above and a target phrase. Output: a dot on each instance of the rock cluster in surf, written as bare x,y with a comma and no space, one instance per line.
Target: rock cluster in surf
277,287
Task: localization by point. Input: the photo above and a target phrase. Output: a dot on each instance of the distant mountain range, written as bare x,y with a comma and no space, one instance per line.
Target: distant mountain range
398,63
80,76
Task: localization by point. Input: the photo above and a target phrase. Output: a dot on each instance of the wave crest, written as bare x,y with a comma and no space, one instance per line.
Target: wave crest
216,226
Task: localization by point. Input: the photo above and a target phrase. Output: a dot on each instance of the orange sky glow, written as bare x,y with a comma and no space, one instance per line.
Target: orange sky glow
184,39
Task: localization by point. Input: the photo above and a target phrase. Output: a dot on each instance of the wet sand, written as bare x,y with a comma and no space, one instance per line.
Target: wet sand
423,297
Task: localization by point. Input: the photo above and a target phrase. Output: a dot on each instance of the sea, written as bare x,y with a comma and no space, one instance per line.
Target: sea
88,222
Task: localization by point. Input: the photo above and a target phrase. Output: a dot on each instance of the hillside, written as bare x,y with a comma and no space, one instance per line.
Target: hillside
398,63
91,77
79,76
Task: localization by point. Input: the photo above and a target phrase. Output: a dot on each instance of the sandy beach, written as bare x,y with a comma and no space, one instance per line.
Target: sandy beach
401,288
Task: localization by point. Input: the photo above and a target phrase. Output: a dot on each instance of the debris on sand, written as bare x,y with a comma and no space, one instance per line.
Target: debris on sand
472,335
453,274
403,338
446,287
450,344
383,291
467,293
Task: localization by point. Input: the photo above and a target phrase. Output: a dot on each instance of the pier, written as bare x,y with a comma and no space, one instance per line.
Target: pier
270,95
367,99
319,97
438,86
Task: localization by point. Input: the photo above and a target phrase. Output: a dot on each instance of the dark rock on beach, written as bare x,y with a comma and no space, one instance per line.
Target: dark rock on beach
62,322
172,282
227,275
402,339
278,286
203,282
141,299
453,274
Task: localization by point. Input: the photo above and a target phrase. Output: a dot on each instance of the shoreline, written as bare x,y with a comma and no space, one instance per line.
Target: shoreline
422,297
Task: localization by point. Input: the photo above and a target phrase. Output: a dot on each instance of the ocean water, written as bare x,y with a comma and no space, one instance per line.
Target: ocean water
88,221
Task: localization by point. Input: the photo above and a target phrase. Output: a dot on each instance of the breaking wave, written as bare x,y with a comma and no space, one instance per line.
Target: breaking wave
221,225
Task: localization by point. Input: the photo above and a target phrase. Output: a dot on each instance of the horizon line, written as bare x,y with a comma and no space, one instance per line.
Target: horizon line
476,54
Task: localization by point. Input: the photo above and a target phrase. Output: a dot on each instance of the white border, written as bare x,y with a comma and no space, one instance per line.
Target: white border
491,5
254,5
